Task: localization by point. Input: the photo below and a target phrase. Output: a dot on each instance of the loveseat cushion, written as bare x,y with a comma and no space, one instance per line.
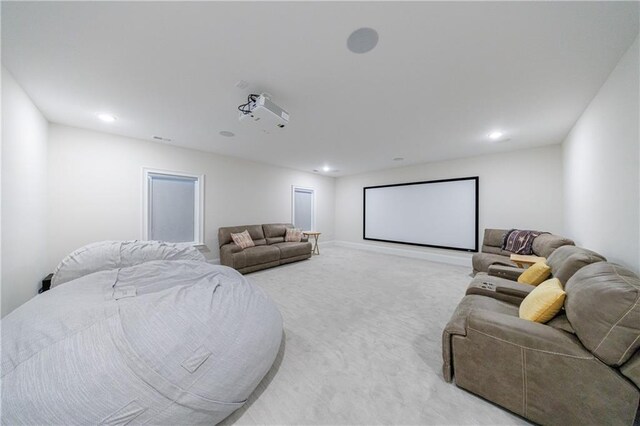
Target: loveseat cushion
567,260
261,254
293,249
602,306
272,230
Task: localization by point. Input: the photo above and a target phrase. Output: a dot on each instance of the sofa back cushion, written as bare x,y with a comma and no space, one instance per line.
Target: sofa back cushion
257,235
567,260
492,241
274,232
602,305
545,244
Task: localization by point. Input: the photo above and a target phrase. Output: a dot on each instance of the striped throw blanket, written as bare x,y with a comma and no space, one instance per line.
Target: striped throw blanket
520,241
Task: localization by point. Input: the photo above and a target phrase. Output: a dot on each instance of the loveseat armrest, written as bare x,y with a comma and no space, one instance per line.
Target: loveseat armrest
506,272
226,253
526,334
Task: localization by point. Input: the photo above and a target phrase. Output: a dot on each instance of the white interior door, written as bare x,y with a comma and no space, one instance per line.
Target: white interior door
303,205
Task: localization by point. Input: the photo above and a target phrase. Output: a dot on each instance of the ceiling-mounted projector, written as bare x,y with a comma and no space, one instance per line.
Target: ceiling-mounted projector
265,114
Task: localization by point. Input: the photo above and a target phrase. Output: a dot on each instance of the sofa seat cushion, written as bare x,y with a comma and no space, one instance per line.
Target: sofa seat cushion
499,288
603,306
482,261
260,254
293,249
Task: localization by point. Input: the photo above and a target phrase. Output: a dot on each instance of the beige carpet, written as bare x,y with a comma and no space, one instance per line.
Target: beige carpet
363,344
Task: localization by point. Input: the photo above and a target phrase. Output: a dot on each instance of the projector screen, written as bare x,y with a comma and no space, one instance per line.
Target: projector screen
439,213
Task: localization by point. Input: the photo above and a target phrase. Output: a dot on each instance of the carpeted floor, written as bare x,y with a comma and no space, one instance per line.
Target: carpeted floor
363,344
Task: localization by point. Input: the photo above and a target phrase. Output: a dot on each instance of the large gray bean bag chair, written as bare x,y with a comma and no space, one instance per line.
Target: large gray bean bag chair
162,342
105,255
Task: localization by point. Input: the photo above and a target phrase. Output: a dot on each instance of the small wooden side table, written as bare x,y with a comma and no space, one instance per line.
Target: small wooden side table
524,261
315,235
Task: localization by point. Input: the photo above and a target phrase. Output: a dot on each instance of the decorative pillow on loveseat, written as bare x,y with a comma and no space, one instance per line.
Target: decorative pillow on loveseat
535,274
293,235
243,239
544,302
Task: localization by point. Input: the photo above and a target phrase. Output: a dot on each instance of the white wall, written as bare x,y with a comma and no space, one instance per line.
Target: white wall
601,168
24,198
95,189
520,189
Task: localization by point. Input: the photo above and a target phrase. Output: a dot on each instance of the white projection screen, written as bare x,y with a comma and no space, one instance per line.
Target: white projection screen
439,213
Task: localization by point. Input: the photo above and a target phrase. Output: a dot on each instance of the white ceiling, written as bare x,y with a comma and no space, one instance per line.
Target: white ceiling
441,78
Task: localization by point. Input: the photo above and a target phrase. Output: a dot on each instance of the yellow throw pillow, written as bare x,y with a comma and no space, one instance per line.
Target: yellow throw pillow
535,274
544,302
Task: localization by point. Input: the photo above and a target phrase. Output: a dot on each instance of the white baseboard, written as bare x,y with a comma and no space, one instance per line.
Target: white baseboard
463,260
326,243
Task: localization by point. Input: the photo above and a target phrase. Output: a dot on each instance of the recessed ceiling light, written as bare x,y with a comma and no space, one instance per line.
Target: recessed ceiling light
398,159
107,118
227,133
362,40
326,169
495,135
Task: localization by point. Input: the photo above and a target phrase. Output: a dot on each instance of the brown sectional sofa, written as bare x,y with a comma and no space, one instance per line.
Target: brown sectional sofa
492,253
501,281
270,248
582,367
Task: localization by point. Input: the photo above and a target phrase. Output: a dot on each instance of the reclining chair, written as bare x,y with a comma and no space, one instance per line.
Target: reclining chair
579,368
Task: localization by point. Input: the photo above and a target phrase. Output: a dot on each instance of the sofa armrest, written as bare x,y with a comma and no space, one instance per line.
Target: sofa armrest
506,272
231,248
526,334
226,254
499,289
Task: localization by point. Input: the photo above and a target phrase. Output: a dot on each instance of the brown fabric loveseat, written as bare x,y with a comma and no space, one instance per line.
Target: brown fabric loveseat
582,367
270,248
492,253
